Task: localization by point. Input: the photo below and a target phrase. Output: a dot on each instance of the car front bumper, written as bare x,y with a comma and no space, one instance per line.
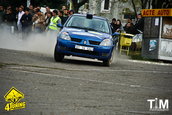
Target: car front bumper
68,48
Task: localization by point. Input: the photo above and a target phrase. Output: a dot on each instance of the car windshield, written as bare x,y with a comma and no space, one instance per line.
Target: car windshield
93,24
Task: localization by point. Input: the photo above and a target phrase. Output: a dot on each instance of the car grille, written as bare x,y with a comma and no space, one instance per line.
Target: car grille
84,52
76,39
90,41
94,42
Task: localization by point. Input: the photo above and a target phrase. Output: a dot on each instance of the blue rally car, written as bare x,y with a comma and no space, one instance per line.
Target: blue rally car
85,35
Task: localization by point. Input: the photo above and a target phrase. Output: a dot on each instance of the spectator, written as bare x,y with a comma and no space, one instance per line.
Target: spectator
119,26
63,8
55,19
65,11
139,24
9,20
129,28
71,12
61,15
16,11
31,11
9,7
129,20
19,15
35,10
22,7
65,15
1,14
113,25
26,21
38,20
47,19
9,17
47,10
39,8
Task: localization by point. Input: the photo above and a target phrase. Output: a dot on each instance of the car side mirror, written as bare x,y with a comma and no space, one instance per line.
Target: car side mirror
60,25
116,34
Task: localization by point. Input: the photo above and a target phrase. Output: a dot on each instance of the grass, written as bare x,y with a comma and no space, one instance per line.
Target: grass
1,65
136,55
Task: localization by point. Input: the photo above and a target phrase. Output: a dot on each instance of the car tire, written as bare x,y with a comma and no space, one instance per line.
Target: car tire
58,57
110,60
107,63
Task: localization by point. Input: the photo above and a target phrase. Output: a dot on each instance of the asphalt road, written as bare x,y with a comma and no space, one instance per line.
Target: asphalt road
82,87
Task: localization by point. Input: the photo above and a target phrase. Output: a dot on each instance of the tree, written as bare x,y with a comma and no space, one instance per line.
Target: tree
161,4
155,4
134,7
77,5
147,4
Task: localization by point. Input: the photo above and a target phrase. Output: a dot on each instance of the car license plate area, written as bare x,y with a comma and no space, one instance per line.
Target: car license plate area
84,48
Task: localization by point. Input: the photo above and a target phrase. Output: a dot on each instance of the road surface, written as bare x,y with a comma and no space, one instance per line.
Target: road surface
83,87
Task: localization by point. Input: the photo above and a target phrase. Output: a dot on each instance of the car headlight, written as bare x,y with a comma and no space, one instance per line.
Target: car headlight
65,36
106,42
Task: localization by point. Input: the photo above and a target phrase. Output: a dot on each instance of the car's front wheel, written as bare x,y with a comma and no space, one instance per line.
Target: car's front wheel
110,60
58,56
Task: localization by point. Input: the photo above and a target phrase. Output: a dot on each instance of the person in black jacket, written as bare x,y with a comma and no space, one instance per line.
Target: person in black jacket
113,25
1,14
9,17
139,26
48,19
129,28
65,16
26,21
9,21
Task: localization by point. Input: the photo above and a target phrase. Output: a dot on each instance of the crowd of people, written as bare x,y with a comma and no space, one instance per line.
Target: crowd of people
129,27
32,19
136,28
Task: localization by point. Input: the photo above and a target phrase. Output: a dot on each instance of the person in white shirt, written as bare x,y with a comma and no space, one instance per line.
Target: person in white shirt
19,15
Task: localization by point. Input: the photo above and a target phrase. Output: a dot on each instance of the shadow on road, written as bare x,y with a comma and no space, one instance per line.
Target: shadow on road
82,62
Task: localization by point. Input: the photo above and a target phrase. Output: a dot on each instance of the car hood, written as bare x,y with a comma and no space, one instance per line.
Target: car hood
87,35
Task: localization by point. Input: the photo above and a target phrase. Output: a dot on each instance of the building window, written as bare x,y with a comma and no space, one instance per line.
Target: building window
105,6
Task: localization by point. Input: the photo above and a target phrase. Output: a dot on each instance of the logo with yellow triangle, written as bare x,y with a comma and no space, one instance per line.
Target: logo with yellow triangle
14,96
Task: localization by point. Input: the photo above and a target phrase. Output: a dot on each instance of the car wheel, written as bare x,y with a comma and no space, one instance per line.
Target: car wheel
58,57
110,60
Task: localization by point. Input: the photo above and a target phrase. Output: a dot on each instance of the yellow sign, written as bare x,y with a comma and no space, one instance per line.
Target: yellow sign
14,96
156,12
